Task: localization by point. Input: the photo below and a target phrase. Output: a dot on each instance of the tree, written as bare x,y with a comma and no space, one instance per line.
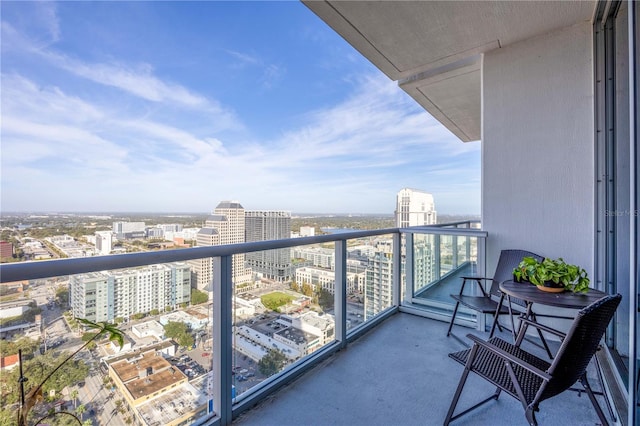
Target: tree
62,293
179,332
6,417
325,299
80,410
154,312
61,376
273,362
28,346
74,395
198,297
294,286
307,290
175,328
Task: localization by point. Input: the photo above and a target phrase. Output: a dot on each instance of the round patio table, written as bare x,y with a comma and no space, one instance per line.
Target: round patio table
567,299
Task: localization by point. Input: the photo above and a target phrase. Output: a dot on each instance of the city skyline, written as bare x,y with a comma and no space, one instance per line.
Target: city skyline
260,102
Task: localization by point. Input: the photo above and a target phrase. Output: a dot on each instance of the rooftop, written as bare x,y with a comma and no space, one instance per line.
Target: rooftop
146,374
171,406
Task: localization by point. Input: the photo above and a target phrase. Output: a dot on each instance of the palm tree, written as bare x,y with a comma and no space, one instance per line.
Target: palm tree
74,395
80,410
36,393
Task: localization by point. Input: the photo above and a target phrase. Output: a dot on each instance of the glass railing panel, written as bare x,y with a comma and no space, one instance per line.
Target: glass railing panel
166,313
371,262
283,311
161,374
440,260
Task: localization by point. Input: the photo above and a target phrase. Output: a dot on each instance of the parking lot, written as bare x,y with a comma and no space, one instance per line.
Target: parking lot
189,366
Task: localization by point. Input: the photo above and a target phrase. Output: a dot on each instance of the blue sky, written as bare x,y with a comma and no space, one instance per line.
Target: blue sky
175,106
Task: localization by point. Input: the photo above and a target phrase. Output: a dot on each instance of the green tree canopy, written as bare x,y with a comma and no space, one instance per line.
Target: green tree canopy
35,370
273,362
62,293
198,296
307,290
325,299
179,332
28,346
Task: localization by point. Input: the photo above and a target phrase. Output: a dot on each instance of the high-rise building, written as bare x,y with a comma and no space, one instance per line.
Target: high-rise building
322,278
415,208
104,241
126,230
201,269
317,256
379,280
224,226
263,225
107,295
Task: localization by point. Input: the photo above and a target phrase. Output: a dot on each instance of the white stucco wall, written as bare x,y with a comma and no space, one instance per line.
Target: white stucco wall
538,147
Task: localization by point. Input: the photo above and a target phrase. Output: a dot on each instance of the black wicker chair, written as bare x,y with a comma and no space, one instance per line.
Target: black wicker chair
490,302
530,379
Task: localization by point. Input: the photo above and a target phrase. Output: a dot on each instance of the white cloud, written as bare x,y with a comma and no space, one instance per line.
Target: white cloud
348,155
99,150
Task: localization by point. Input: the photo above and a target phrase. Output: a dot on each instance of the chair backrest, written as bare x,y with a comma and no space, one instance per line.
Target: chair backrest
580,344
507,262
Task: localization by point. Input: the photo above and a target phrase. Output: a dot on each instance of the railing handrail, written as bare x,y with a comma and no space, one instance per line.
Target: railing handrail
31,270
461,222
439,230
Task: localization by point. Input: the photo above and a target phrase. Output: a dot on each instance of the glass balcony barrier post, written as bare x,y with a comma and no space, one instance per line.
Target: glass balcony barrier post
340,296
397,270
222,332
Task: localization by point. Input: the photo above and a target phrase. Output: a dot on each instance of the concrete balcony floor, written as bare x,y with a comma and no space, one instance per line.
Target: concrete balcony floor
399,374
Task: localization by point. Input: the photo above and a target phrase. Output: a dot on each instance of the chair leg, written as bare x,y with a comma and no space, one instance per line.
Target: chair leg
531,417
604,389
593,400
456,396
496,317
453,318
544,341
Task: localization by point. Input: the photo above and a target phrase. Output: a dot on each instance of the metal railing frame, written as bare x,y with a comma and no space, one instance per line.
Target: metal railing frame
225,407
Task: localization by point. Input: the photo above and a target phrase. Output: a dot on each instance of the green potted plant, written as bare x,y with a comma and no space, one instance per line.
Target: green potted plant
554,275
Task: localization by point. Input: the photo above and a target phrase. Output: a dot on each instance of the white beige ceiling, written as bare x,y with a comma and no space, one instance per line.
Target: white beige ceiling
433,48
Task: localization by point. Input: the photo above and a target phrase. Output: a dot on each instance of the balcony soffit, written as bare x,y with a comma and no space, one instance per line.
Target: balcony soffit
411,41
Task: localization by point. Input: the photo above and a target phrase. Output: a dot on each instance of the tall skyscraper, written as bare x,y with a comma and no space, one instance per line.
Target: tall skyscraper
269,225
224,226
104,242
415,208
201,269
